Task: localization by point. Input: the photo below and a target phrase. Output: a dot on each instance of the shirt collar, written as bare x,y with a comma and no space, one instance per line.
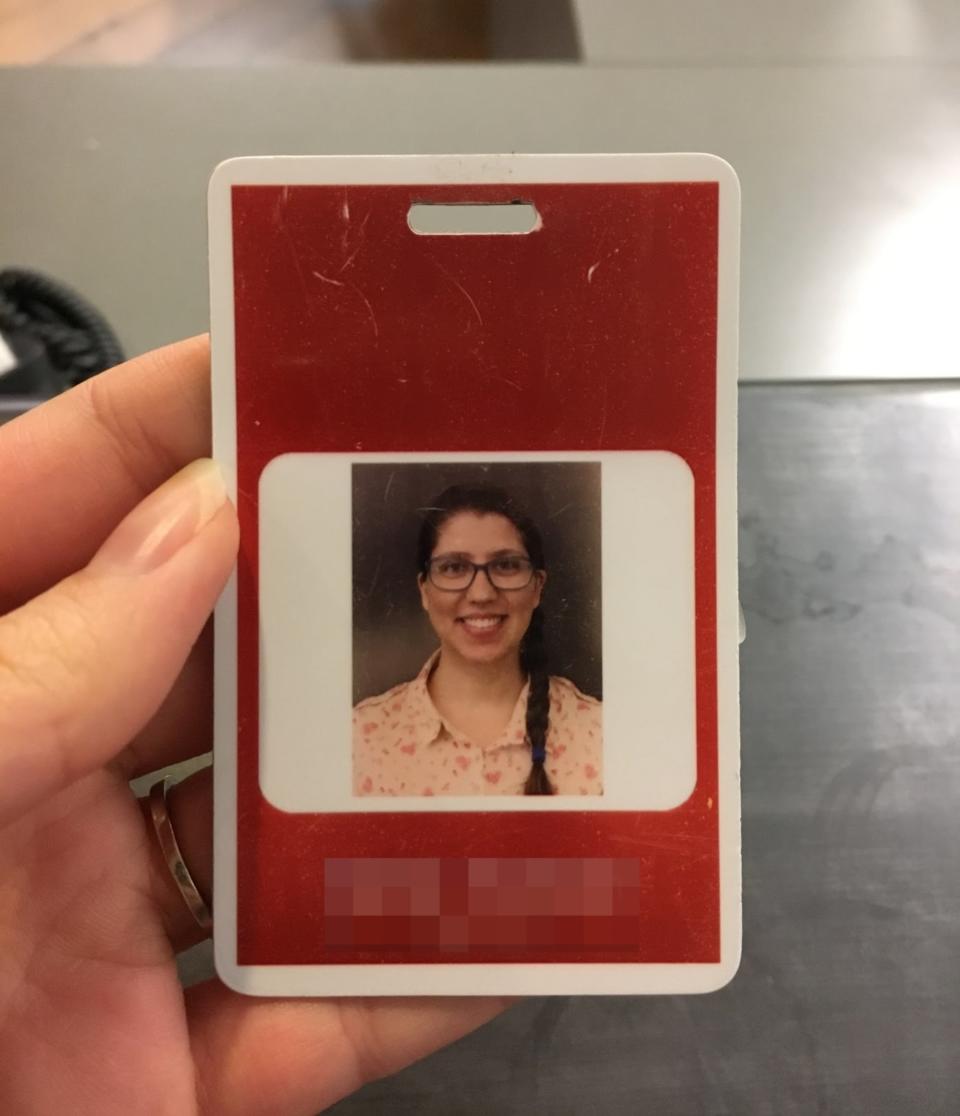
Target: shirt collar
431,724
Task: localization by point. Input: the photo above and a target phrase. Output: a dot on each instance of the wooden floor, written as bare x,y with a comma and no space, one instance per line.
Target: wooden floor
230,32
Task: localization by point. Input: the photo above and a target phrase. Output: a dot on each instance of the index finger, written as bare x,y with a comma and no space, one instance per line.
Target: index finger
71,468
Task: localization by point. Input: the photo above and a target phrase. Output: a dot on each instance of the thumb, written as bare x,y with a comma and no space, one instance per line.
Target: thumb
86,664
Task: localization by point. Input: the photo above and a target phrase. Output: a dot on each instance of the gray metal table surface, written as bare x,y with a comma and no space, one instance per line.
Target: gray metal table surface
848,996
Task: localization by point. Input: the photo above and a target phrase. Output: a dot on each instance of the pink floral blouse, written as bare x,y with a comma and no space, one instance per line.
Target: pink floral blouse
402,746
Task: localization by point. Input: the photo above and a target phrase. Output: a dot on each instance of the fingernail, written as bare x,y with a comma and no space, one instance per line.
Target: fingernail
165,521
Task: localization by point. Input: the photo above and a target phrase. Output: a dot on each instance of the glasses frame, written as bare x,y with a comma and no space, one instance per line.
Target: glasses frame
477,567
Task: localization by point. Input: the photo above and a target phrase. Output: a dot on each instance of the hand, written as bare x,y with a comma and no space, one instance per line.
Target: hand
105,674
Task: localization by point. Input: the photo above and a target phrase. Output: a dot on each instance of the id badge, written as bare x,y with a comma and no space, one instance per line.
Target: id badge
476,723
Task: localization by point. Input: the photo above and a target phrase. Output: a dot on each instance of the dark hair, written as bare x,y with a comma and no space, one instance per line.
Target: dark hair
489,500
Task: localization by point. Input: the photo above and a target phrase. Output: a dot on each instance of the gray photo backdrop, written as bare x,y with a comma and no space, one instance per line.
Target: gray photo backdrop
392,637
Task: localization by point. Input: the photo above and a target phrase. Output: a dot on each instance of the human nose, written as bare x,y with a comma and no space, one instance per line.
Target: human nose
482,588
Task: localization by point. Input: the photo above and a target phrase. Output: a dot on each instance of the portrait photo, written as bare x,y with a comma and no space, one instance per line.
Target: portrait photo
477,629
456,632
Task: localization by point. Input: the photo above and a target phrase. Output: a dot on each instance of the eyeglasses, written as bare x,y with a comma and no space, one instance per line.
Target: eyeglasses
454,573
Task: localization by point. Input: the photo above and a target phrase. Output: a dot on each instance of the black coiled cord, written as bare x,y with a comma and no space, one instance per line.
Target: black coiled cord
76,337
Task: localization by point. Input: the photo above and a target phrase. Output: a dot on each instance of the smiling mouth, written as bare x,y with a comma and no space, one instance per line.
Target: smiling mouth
481,624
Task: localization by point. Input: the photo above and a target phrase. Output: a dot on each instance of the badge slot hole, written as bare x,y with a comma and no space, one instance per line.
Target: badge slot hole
516,218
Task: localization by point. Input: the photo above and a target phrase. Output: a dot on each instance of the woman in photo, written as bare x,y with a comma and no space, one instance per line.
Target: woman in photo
484,715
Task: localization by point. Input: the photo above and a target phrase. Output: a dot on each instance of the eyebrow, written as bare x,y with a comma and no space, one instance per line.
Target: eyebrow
508,553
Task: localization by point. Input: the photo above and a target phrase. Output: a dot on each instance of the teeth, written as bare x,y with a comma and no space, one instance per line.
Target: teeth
486,622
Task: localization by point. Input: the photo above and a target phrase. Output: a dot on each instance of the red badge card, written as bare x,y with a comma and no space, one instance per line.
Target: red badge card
476,672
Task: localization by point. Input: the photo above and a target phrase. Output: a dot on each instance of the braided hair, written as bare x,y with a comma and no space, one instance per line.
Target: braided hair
489,500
